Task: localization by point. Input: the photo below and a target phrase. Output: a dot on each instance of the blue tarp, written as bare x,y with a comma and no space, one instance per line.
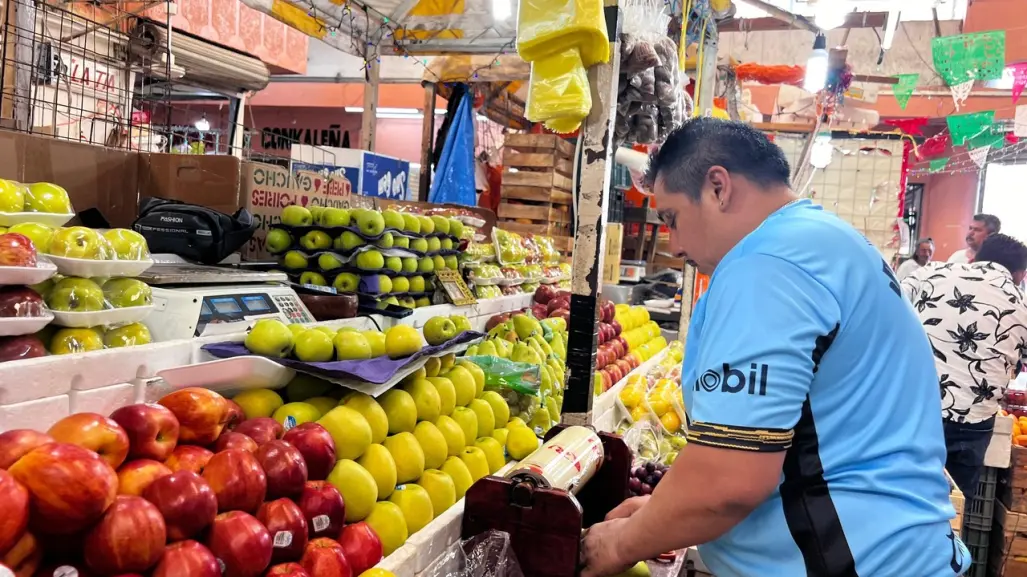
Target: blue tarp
453,181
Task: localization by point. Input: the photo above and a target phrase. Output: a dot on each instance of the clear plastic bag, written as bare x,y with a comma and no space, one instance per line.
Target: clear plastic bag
487,555
127,244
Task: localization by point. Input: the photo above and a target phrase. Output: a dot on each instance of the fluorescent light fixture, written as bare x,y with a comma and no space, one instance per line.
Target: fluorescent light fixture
501,9
387,110
890,28
816,66
831,14
202,124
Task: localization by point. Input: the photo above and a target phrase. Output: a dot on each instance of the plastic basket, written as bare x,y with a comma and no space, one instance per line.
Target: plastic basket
977,543
979,510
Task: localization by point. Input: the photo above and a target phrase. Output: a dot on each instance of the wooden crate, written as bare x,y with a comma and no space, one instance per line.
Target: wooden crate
535,194
541,212
1009,567
1010,536
543,229
549,179
564,244
537,160
542,143
1012,488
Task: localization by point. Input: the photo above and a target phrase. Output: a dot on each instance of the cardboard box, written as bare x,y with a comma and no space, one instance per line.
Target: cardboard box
211,181
614,246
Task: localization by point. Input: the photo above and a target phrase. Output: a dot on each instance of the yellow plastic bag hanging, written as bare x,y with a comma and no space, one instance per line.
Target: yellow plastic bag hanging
547,27
558,92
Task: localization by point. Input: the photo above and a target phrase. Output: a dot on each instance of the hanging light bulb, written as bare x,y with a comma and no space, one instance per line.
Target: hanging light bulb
202,125
822,152
830,14
816,66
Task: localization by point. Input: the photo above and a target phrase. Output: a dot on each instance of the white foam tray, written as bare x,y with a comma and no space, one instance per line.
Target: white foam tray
230,376
27,275
16,326
87,268
104,318
50,219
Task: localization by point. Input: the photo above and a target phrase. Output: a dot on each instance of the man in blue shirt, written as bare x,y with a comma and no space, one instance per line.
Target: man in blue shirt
814,441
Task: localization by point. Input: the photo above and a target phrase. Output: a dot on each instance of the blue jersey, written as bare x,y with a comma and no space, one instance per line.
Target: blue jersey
804,344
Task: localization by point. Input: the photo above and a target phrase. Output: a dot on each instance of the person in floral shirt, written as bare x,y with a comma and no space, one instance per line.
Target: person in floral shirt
976,321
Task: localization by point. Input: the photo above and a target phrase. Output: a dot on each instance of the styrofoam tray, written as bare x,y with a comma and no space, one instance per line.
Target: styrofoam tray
230,375
108,317
87,268
27,275
16,326
53,220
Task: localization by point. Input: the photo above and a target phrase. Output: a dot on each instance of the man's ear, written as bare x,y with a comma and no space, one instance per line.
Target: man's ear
718,179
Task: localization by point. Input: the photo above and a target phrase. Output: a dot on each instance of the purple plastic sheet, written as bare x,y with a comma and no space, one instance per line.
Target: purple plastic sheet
375,371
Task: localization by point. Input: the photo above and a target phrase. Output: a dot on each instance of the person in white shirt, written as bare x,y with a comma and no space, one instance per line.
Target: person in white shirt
976,321
982,226
922,256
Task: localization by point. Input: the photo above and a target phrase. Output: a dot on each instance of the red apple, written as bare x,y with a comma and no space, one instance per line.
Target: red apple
496,320
544,293
201,413
316,445
94,432
616,327
14,511
288,528
152,430
20,302
24,558
539,311
70,487
624,366
233,440
189,458
261,429
325,558
235,415
623,343
187,559
15,443
285,469
240,543
135,476
237,480
130,537
287,570
21,347
17,250
186,501
361,545
564,314
323,508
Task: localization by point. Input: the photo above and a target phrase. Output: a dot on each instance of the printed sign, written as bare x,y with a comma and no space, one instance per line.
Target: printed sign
341,178
385,177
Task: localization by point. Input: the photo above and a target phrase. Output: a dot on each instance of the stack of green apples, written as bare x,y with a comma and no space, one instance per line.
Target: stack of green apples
84,243
65,341
41,197
388,254
522,338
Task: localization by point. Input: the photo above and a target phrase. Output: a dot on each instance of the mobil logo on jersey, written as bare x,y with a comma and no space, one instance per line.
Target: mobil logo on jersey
751,381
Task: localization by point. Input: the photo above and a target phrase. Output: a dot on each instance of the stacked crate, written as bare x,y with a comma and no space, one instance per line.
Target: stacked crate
537,187
1009,539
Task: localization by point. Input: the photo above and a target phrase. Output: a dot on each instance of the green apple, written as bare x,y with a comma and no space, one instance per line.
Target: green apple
295,259
378,461
400,284
384,284
422,302
441,224
434,244
335,217
393,219
447,394
68,341
316,214
450,262
372,412
78,242
411,223
426,399
349,430
408,456
346,282
313,346
383,304
427,225
72,294
348,241
453,433
47,197
326,330
440,488
39,234
313,278
127,244
461,323
386,241
409,264
303,387
463,382
370,260
419,245
278,240
456,228
328,261
359,491
485,417
439,330
458,472
387,521
500,408
370,222
400,241
433,444
476,461
377,341
296,329
438,263
127,292
316,240
416,505
394,263
351,345
12,196
407,302
494,453
426,265
416,283
271,338
127,335
290,415
296,215
400,409
447,244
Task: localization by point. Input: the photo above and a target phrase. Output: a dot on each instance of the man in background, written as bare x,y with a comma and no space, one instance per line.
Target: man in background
982,226
976,321
922,256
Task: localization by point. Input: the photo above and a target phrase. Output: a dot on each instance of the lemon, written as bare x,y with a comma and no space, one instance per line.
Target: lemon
259,402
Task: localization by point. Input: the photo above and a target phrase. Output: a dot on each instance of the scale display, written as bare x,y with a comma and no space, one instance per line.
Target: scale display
233,308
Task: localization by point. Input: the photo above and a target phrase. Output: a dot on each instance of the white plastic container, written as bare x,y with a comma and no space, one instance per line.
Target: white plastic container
15,326
51,219
230,375
108,317
27,275
86,268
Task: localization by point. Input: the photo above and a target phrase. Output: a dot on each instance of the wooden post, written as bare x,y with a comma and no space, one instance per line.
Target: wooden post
592,184
368,120
427,140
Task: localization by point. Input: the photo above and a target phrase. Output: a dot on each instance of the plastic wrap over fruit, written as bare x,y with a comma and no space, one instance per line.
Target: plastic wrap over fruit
546,27
21,302
82,243
558,90
47,197
127,292
486,555
127,244
68,340
17,250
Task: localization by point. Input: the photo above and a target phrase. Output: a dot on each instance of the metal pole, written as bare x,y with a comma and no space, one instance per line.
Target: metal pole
427,140
368,120
591,190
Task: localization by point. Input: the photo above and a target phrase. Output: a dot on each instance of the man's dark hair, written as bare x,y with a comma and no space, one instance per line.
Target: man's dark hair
701,143
991,222
927,240
1004,250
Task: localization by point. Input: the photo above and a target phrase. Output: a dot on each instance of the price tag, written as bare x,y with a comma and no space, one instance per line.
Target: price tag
321,522
65,571
290,422
282,539
221,565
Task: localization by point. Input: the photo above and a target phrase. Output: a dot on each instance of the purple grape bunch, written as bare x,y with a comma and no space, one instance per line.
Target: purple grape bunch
645,478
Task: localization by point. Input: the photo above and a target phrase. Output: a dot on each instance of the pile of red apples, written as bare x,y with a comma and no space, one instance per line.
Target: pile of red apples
186,487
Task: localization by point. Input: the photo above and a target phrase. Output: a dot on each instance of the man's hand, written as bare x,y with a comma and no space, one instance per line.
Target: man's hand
599,549
627,508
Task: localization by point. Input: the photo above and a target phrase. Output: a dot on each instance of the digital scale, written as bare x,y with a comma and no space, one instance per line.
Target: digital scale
193,300
632,270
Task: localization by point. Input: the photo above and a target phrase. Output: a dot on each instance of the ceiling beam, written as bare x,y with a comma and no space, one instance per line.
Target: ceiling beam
854,20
